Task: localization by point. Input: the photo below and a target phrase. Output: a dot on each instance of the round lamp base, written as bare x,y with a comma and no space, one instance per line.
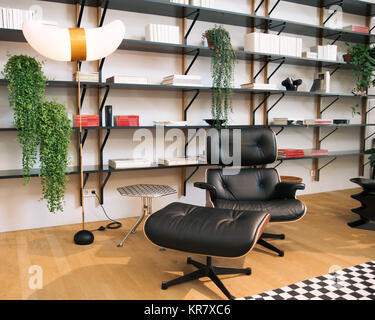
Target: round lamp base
83,237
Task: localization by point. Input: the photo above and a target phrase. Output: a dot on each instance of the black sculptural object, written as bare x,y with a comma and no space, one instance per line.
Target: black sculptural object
367,200
291,85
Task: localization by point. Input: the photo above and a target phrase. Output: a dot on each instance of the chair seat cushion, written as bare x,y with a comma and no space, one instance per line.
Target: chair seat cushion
208,231
280,209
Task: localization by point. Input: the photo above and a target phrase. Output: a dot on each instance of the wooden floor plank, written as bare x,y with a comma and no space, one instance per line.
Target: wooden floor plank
319,241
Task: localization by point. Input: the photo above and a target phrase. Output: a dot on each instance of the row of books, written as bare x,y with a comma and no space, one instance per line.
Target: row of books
93,121
141,163
300,153
86,76
327,52
356,28
182,80
163,33
273,44
127,79
11,18
260,86
286,121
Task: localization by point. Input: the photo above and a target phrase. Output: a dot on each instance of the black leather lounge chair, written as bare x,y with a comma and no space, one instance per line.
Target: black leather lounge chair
241,206
255,189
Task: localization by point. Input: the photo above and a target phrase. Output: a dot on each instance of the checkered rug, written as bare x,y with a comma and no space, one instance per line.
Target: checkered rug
355,283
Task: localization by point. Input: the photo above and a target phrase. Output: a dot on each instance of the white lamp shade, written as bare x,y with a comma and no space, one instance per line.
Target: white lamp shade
55,43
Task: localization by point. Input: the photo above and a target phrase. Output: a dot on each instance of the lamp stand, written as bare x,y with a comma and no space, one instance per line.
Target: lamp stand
83,237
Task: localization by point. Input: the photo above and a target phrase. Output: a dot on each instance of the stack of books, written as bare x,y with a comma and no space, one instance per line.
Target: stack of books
290,153
180,161
180,1
127,121
327,52
280,121
260,86
322,82
86,120
318,121
129,163
86,76
127,79
355,28
273,44
182,80
202,3
316,152
13,18
310,55
163,33
174,123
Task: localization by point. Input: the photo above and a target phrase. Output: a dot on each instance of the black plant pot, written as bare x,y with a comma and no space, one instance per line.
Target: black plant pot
212,122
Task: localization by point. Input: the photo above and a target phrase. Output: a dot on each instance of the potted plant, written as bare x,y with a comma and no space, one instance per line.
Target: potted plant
362,61
222,71
40,124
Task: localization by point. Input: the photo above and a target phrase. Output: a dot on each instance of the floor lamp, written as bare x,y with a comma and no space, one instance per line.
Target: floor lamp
75,44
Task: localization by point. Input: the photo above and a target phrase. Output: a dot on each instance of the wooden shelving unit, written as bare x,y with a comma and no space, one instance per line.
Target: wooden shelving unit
251,21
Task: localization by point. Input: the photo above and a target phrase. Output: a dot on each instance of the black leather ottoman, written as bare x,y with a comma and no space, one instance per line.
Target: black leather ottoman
367,209
207,231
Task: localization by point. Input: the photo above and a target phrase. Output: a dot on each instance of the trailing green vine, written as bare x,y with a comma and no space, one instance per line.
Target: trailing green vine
40,123
26,92
222,72
54,132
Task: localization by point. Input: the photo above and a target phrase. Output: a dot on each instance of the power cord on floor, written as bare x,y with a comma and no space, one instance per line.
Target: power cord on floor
113,225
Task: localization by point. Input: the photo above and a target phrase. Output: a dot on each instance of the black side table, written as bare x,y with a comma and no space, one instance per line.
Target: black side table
367,200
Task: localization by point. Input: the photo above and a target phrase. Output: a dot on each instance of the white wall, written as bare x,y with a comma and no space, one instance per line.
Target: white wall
19,205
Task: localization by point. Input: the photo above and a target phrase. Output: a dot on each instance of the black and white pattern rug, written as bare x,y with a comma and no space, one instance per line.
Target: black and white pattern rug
354,283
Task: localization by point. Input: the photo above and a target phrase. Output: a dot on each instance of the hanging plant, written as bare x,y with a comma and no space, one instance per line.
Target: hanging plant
222,71
362,61
54,132
26,92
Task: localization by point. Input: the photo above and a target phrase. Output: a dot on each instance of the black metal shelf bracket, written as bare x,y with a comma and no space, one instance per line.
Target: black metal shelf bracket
105,7
322,167
368,137
81,13
274,105
339,35
103,146
191,139
334,70
277,68
83,139
266,64
101,68
338,3
278,164
326,136
368,111
105,96
190,103
259,6
267,95
197,13
83,94
329,105
188,178
198,51
103,186
274,7
280,130
282,25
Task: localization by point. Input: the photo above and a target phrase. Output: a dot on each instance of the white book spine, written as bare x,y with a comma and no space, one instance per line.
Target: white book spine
252,42
10,18
5,18
1,18
148,32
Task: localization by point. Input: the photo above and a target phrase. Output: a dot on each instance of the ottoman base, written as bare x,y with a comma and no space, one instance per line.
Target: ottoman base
207,270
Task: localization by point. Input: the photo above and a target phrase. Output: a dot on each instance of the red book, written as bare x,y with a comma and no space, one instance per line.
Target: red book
127,121
360,29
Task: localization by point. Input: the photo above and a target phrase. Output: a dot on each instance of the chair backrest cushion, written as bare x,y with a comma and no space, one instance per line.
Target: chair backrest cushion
248,184
258,146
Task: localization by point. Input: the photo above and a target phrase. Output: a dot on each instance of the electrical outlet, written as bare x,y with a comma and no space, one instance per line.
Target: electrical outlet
312,173
89,193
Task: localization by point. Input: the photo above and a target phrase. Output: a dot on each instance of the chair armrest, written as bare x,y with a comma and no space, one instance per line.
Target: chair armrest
288,189
206,186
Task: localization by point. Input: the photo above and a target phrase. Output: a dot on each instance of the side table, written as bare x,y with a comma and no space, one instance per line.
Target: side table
146,192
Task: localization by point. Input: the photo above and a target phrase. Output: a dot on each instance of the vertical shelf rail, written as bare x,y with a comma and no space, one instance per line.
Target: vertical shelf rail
251,120
364,112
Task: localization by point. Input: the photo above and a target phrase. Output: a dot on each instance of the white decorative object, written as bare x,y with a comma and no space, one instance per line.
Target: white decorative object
55,43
